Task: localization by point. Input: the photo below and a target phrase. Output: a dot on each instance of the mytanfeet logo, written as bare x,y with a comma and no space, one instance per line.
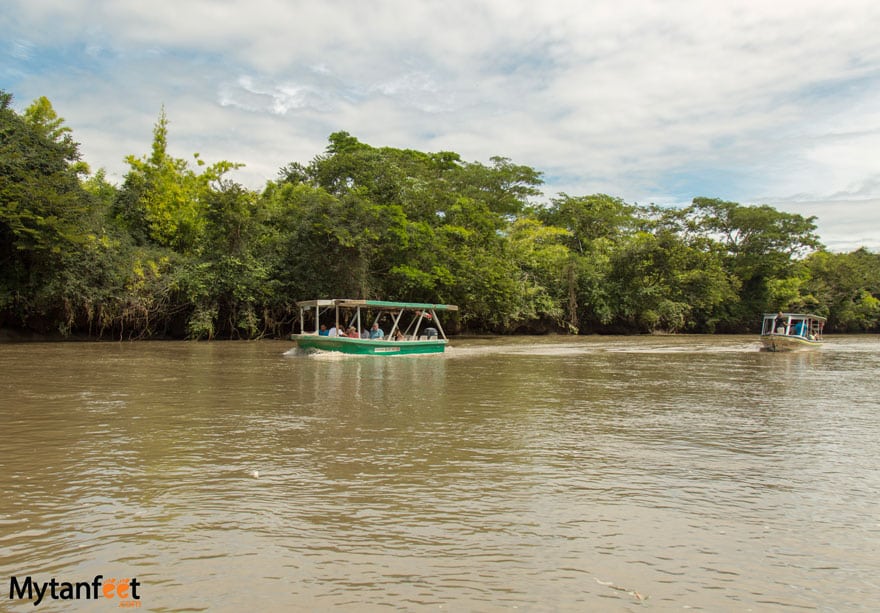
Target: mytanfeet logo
124,592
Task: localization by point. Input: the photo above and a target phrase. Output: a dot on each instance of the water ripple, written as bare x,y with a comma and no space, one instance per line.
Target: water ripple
539,474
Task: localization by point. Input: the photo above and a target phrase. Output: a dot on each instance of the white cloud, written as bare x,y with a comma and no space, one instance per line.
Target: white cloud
277,98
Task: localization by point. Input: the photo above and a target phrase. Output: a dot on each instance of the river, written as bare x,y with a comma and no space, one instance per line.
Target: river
536,474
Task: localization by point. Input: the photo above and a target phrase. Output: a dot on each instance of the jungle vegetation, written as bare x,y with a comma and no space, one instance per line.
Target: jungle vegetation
180,250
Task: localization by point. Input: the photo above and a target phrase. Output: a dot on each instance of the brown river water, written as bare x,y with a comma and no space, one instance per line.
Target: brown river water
659,473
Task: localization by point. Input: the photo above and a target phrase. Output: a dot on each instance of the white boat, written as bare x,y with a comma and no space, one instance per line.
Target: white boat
354,325
791,331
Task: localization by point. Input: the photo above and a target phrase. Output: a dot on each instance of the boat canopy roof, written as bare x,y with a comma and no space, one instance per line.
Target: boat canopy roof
380,304
794,316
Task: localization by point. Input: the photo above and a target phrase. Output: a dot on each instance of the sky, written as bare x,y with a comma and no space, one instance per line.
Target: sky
754,102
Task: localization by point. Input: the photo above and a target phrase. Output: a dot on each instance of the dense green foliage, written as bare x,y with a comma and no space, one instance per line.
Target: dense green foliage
179,250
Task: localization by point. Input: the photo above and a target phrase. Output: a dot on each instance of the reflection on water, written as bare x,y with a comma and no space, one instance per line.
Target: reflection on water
543,474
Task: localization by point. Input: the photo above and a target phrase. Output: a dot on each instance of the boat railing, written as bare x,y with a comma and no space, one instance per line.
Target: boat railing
423,325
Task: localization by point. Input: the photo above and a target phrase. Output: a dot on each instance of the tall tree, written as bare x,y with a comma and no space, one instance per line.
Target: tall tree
44,214
162,198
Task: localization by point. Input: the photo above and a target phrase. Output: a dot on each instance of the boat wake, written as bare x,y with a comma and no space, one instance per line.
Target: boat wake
602,346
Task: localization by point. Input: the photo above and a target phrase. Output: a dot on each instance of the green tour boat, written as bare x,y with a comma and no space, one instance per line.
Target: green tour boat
371,327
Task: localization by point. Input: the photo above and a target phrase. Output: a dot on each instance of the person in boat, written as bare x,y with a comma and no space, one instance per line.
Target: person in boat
376,332
333,331
398,335
352,332
323,331
365,334
779,325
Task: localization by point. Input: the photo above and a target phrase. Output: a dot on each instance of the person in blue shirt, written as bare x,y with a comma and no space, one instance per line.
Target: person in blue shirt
376,332
323,331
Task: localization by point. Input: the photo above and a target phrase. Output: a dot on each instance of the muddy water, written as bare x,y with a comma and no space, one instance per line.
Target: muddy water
539,474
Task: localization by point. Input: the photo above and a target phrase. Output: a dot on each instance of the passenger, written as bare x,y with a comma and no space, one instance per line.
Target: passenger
398,335
352,332
333,332
780,323
323,331
365,333
376,332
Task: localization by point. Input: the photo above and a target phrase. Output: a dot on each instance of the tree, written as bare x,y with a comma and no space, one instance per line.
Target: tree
846,287
229,281
44,215
505,187
758,244
42,117
325,244
539,255
590,218
595,226
162,198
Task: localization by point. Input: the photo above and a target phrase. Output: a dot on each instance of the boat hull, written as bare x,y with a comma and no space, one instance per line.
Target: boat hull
362,346
783,342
